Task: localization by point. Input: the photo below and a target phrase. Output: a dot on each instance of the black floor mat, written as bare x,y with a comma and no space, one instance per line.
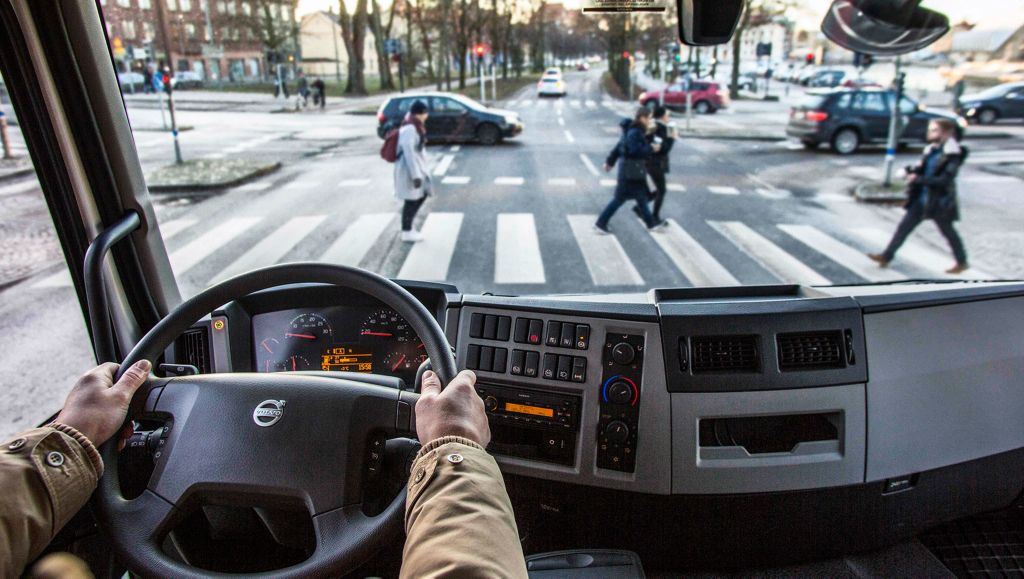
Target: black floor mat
988,545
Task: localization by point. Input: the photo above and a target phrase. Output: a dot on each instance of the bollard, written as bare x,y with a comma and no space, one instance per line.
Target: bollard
4,137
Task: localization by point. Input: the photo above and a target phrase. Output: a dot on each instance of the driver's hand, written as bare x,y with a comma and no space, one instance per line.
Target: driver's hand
96,406
455,411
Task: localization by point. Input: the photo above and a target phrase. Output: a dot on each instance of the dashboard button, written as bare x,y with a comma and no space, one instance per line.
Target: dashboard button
535,330
582,336
486,358
568,339
518,361
476,325
504,328
532,367
522,326
579,369
564,368
490,327
554,333
550,369
500,360
473,357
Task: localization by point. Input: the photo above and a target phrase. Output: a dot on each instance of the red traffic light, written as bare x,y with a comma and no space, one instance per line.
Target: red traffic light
625,54
810,58
480,49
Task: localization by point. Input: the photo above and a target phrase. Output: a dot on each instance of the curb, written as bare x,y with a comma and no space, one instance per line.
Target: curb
868,193
17,173
181,129
214,187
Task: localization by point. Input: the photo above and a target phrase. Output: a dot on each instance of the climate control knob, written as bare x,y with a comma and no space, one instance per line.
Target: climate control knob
620,392
617,432
491,403
623,353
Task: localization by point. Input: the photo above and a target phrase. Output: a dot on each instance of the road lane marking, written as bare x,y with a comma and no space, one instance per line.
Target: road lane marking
513,103
273,247
569,137
353,245
508,181
453,180
517,256
442,167
773,193
591,104
215,156
723,190
608,182
590,165
561,122
834,198
918,255
195,251
606,261
770,256
429,259
455,148
60,279
846,256
175,226
575,103
525,104
691,258
19,187
562,181
342,183
675,187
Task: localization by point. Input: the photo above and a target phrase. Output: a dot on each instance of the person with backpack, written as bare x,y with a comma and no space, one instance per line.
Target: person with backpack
931,194
406,148
634,150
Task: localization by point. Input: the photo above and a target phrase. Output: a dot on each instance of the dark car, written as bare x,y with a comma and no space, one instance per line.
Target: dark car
848,118
1005,101
453,118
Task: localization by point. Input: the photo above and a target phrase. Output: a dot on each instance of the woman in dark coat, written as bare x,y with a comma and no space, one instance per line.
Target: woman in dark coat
634,150
931,194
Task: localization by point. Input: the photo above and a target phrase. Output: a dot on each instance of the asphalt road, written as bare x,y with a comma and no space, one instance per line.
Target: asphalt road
511,219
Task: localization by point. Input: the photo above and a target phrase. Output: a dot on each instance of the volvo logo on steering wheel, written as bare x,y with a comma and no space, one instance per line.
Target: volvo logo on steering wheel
268,412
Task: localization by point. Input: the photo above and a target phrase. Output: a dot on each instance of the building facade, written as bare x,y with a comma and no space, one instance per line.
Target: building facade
323,51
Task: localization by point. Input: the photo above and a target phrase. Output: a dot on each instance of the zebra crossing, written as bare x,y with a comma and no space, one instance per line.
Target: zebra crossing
520,257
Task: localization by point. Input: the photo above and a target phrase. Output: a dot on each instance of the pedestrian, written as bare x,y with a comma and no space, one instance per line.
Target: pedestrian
412,177
658,165
634,150
931,193
319,92
302,89
147,80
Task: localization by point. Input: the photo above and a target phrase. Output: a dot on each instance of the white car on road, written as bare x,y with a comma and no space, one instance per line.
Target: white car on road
551,86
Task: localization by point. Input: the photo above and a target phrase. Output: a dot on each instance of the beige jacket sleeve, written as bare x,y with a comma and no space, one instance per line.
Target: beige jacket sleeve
47,475
458,517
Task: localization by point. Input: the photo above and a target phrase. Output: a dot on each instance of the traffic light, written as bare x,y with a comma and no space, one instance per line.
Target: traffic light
679,57
809,59
901,79
167,83
625,54
479,50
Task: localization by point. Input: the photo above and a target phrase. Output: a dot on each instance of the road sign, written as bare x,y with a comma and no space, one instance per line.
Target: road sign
158,82
392,46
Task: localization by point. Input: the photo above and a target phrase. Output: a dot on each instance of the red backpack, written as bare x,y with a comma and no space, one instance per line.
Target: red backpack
389,150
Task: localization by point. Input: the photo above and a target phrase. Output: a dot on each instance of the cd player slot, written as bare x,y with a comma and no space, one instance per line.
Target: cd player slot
531,424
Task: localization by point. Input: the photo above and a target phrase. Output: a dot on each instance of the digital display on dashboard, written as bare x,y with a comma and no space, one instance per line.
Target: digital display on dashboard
337,338
526,409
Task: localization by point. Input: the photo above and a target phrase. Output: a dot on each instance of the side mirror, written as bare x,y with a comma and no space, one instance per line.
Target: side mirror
883,27
707,22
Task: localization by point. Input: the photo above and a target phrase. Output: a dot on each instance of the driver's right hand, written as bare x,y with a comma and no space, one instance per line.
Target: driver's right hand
453,411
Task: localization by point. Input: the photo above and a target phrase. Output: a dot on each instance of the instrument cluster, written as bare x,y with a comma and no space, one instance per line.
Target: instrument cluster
369,339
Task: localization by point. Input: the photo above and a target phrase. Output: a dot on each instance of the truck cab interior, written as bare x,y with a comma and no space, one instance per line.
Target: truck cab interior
747,430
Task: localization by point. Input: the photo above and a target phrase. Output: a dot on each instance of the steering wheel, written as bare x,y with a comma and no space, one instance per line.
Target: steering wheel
308,442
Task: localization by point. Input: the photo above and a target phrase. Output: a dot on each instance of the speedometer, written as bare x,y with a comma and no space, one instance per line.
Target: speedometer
385,324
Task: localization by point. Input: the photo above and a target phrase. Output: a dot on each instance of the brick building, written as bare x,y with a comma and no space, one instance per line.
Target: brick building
216,39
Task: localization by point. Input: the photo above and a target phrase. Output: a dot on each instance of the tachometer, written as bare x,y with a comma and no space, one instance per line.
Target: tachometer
308,327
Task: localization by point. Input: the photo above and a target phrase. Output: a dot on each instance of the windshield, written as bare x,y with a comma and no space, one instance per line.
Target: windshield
519,187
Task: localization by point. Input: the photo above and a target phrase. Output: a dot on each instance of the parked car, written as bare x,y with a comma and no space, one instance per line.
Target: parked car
849,118
830,77
551,86
707,97
130,81
184,79
582,66
453,117
1005,101
748,81
805,74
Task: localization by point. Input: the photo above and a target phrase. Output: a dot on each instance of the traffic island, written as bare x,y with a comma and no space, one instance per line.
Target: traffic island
879,193
207,175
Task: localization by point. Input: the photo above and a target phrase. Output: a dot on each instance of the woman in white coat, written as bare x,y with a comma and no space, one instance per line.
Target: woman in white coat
412,177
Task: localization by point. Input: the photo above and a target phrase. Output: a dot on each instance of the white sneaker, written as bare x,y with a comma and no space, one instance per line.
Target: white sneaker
412,236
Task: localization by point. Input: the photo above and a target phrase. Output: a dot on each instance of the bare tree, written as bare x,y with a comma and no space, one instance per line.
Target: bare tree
353,34
380,34
755,13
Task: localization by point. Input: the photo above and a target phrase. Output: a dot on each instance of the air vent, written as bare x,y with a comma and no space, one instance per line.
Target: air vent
194,349
724,354
811,350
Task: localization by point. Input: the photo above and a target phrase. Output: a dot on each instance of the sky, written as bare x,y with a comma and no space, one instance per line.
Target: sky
987,13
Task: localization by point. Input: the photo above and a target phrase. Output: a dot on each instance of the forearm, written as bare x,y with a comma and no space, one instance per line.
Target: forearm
47,476
458,517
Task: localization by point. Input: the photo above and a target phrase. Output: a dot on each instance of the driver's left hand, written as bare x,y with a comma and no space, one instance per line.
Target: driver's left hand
97,406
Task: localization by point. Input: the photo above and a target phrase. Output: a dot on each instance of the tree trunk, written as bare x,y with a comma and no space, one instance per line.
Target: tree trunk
446,46
737,46
383,60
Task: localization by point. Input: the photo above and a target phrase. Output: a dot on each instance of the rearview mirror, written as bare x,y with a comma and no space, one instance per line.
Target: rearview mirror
883,27
707,22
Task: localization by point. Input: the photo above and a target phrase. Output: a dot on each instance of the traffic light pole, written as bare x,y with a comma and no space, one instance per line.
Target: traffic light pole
480,66
894,121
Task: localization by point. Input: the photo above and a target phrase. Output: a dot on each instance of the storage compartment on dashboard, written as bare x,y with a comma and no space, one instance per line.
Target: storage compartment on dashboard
787,434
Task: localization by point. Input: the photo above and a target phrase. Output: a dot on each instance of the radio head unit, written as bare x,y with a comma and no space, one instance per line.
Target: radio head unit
532,424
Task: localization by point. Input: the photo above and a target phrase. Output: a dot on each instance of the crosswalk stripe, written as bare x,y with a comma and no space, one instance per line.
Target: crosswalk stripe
846,256
918,255
514,103
608,182
272,247
691,258
525,103
455,148
60,279
174,227
429,259
773,193
589,164
508,181
591,104
192,253
606,261
517,256
575,103
569,137
562,182
770,256
353,245
21,187
561,122
675,187
454,180
342,183
723,190
442,166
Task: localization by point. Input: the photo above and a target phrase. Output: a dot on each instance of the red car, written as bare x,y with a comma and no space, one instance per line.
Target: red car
707,97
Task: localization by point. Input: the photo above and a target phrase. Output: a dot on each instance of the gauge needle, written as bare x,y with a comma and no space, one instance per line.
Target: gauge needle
266,347
381,334
306,336
293,363
399,363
